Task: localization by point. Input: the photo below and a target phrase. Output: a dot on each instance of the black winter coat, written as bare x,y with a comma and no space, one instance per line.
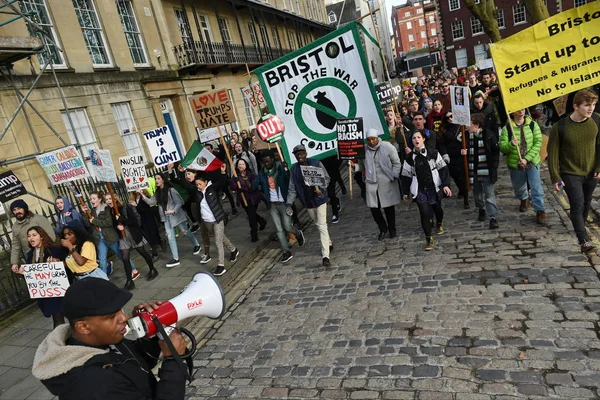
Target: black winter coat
129,219
212,198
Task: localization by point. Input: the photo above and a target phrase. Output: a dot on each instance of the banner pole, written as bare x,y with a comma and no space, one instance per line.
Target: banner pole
350,176
279,151
231,163
79,197
465,160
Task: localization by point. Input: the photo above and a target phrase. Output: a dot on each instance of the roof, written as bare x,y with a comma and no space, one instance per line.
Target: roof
349,11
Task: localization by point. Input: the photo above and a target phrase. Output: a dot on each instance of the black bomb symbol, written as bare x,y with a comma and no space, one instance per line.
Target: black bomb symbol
324,119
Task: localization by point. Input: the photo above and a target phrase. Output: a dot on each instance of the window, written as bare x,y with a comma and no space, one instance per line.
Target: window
461,58
431,19
248,109
476,28
519,16
265,36
306,40
500,18
82,133
205,28
409,25
454,4
234,125
433,32
332,17
253,36
132,33
480,52
299,40
41,16
421,22
224,28
411,38
184,28
275,35
580,2
423,34
92,32
407,14
457,30
127,129
290,36
419,11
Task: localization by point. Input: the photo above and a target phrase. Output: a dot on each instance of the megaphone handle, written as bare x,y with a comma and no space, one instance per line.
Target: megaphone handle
161,331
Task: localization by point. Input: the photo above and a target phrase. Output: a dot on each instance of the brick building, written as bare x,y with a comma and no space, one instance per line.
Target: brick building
415,26
464,41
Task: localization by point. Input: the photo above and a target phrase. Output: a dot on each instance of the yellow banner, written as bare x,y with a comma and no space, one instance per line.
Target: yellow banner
554,57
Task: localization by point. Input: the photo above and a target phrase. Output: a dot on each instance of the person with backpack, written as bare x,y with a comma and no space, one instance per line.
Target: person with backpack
522,145
574,160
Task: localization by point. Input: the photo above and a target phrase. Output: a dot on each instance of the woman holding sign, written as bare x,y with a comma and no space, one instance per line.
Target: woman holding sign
44,250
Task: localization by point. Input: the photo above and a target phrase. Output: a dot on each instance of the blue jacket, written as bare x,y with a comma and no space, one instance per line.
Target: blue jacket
262,182
74,219
306,194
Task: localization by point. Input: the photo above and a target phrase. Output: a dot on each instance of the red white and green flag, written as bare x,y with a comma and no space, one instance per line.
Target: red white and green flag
199,158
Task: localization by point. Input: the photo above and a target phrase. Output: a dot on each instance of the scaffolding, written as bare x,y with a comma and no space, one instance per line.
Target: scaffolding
15,48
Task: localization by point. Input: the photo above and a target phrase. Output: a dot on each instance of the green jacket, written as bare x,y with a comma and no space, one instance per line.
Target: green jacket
533,140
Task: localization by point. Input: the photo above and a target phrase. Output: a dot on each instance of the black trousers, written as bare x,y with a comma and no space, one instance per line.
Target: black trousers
457,172
390,216
427,212
579,191
254,219
187,207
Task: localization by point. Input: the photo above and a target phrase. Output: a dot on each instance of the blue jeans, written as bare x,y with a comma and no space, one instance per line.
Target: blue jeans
283,224
519,179
485,189
97,273
103,253
183,228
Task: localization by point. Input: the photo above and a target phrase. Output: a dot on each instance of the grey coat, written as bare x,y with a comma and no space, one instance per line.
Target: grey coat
175,202
389,191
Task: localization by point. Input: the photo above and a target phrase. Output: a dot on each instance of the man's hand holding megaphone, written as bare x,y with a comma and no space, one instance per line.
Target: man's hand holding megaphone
175,336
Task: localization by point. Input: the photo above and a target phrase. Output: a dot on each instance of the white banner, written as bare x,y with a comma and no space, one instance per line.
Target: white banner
46,280
459,98
63,165
209,134
133,170
162,146
102,166
313,87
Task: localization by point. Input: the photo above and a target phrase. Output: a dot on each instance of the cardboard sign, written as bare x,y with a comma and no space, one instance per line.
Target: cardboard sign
208,134
313,176
63,165
212,109
351,139
384,94
10,187
102,165
162,146
134,172
459,99
270,128
560,104
46,280
254,95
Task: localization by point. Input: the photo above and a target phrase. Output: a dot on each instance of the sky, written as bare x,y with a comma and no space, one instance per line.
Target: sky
389,4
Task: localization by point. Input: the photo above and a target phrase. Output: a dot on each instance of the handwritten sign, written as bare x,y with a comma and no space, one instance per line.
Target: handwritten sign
10,187
351,139
102,165
162,146
212,109
46,280
254,95
313,176
63,165
134,172
207,135
270,128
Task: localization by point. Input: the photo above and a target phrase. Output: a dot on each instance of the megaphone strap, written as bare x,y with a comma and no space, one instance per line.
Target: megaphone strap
187,372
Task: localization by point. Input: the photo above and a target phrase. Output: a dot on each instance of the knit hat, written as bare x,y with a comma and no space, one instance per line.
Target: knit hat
19,203
372,132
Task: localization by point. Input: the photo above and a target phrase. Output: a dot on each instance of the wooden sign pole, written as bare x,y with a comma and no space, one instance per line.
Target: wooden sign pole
350,177
231,163
466,161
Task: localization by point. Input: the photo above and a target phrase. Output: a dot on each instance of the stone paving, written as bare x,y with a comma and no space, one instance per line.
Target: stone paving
498,314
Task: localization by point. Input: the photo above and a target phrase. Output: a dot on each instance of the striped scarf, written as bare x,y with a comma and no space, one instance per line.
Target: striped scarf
478,166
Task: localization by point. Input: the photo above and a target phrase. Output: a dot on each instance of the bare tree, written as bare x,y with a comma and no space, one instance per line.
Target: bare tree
537,10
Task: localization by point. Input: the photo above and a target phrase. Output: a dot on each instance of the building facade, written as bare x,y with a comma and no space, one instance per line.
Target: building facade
465,42
129,66
415,26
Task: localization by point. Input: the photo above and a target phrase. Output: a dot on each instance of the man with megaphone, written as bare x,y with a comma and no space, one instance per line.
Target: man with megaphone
90,359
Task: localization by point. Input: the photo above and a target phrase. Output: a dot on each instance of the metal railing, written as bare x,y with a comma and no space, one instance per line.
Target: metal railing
201,53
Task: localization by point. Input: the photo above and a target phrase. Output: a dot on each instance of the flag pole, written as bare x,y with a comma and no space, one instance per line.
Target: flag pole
231,163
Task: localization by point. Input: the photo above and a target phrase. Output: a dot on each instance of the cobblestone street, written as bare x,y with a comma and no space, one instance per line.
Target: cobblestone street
489,314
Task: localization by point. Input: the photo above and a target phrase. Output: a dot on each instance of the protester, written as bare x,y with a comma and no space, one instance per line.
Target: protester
425,176
273,181
42,250
90,359
452,138
314,198
129,223
185,179
149,225
435,117
483,155
82,254
407,120
474,85
332,166
479,105
248,197
105,232
172,215
25,220
66,214
382,169
574,160
221,182
240,153
523,159
419,126
212,215
444,97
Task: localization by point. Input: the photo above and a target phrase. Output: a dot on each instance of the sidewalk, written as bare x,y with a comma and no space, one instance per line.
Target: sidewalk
23,332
